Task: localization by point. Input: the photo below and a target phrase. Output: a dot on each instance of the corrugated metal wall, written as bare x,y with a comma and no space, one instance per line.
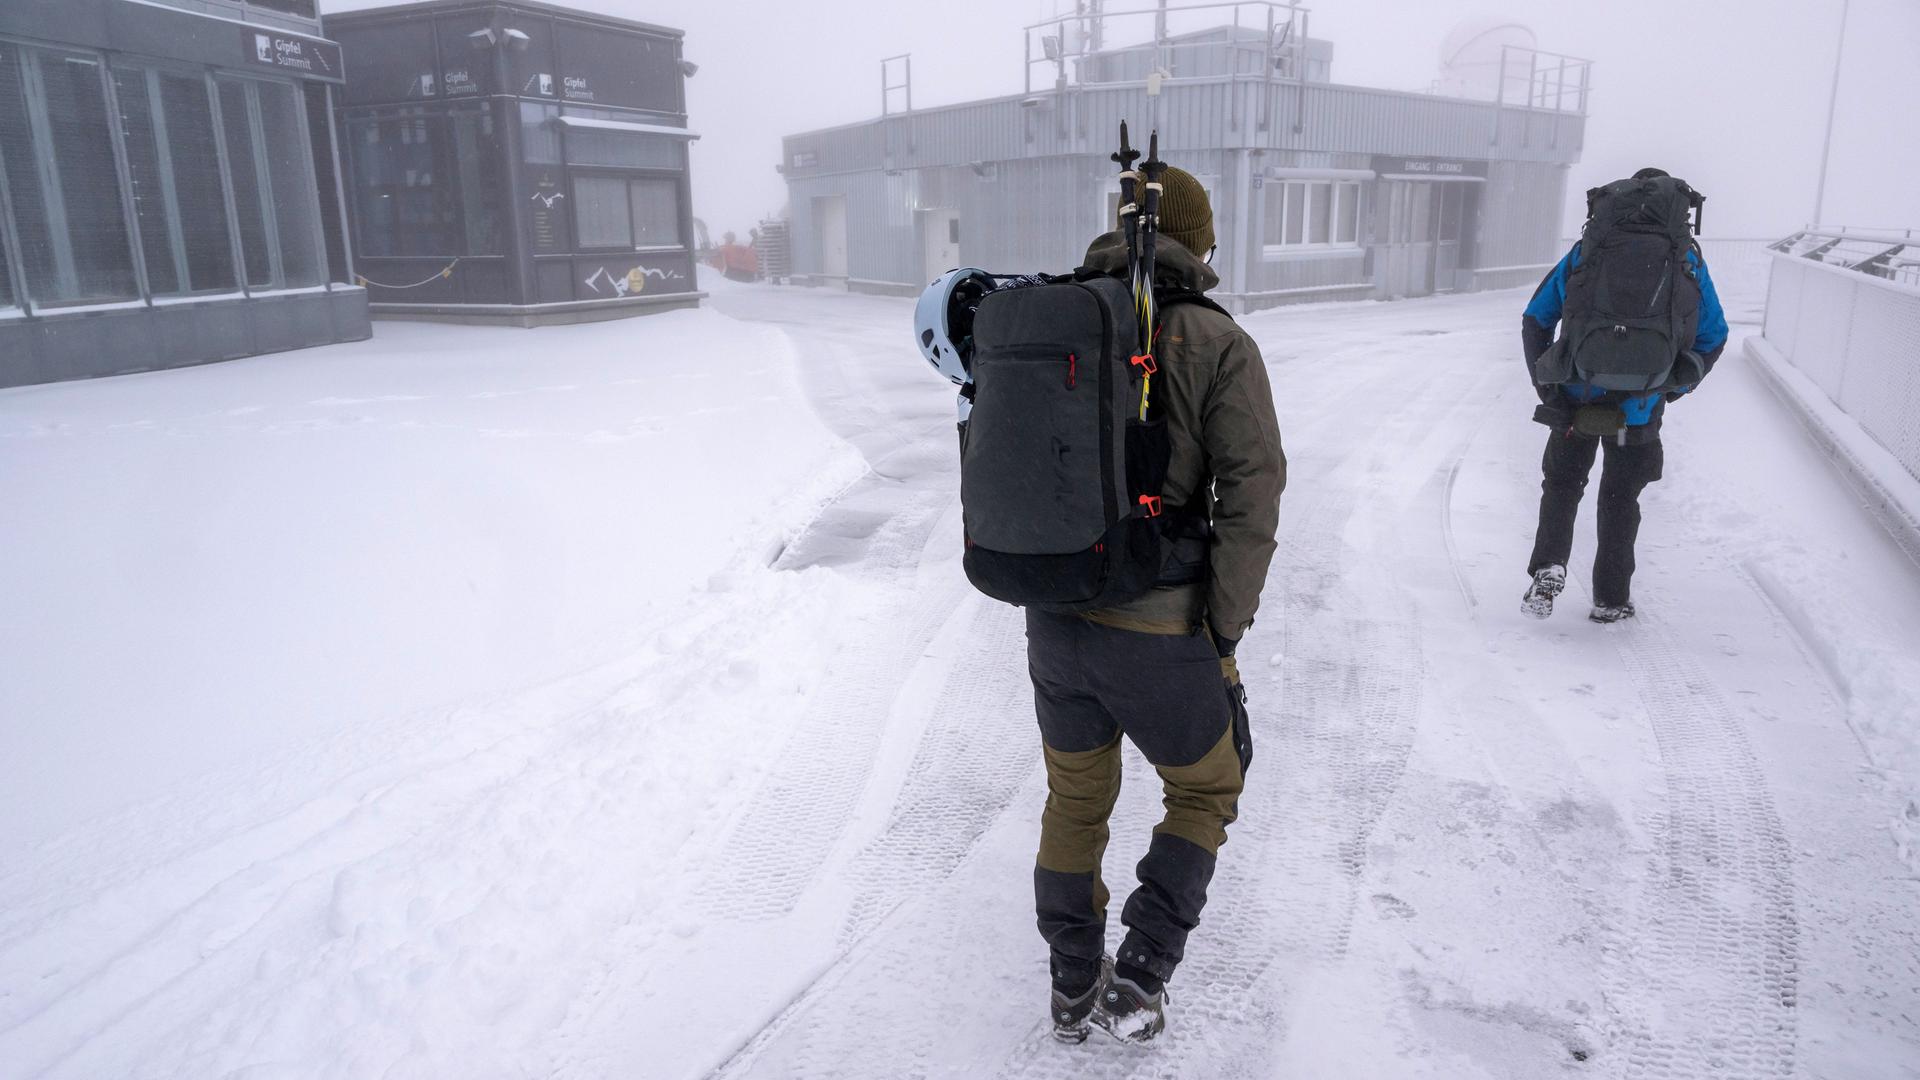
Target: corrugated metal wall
1198,115
1519,222
1015,216
1030,176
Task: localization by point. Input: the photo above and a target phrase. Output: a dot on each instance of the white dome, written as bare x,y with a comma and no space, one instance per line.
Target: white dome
1470,55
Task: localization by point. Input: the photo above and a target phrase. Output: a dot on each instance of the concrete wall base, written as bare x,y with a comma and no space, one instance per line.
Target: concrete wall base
1888,491
530,315
58,346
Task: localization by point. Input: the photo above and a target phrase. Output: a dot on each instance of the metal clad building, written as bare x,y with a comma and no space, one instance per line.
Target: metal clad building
516,162
1320,191
168,186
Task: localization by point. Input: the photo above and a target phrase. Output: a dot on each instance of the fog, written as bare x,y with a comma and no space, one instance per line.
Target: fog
1731,94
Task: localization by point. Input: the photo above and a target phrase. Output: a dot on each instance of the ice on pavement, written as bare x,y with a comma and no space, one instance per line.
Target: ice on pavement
607,701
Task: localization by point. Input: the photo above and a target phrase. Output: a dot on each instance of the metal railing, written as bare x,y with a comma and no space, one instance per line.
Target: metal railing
1882,253
1266,39
1843,307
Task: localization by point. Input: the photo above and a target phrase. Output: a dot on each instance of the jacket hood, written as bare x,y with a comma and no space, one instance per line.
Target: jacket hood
1173,265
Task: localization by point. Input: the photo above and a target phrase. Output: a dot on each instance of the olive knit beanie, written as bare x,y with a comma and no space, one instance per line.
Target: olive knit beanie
1185,213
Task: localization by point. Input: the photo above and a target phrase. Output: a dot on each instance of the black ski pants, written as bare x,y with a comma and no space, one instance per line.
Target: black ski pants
1624,474
1092,684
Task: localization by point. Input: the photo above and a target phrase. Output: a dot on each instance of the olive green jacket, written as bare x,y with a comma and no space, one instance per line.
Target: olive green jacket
1226,450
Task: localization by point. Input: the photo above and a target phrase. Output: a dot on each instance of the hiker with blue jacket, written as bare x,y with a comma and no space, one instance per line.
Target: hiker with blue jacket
1640,325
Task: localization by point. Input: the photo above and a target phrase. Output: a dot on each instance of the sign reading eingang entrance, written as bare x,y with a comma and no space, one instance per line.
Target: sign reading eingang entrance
1392,165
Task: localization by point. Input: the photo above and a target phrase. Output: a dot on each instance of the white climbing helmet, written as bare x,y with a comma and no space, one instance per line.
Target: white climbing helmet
943,321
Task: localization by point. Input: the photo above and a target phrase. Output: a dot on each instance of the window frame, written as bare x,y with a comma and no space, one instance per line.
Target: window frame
575,173
151,67
39,126
432,112
153,71
264,177
1336,194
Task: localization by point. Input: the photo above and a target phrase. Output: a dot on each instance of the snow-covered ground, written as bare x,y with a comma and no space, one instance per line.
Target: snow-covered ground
607,702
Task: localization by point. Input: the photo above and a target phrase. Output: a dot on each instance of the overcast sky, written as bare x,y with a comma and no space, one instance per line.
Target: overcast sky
1731,94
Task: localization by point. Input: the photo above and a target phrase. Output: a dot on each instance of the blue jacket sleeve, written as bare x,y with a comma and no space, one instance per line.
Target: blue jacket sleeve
1712,331
1551,297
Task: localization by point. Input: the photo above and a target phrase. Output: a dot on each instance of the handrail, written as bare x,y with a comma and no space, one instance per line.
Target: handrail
1888,255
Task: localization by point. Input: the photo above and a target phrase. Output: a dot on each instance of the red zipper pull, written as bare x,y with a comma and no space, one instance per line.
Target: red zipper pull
1072,369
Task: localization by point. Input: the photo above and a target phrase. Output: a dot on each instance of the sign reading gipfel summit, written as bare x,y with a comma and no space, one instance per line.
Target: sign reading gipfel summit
294,54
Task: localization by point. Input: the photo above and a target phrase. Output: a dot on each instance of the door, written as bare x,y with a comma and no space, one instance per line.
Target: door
940,241
1454,199
1418,222
830,222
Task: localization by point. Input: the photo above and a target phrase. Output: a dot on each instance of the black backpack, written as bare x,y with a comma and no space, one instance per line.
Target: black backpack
1060,477
1633,302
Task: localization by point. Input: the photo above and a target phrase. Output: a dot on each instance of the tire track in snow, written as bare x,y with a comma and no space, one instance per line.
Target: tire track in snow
795,820
880,525
978,751
1705,982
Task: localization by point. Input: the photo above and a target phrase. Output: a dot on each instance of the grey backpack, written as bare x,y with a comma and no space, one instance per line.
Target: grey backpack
1633,301
1060,476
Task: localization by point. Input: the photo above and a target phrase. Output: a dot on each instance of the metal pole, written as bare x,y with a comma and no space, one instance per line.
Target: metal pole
1300,76
1499,96
1833,98
1526,118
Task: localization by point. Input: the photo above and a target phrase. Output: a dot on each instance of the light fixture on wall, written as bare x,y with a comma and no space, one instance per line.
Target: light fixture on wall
487,37
689,68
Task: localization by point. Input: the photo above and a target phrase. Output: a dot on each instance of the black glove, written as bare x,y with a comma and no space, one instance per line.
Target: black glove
1222,644
1554,414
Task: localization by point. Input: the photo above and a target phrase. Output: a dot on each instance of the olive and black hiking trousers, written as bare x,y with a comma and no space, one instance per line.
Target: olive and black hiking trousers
1166,692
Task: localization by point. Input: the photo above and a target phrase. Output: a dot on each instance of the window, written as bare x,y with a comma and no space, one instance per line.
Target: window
179,202
266,139
290,188
629,213
147,171
1309,214
428,185
539,133
62,178
7,299
602,216
243,176
291,7
198,189
656,213
587,146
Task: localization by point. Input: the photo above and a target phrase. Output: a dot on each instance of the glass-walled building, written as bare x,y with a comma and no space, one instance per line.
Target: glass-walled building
516,162
168,186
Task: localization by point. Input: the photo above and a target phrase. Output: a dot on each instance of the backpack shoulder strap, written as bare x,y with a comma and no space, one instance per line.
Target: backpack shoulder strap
1176,297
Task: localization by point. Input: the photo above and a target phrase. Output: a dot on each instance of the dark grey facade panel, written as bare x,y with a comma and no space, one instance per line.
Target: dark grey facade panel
154,338
557,172
165,150
148,30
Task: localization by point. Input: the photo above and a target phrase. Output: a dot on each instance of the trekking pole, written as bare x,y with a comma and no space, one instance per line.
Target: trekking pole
1129,208
1152,169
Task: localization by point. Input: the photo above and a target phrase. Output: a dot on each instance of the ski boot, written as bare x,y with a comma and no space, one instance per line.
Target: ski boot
1610,613
1069,1009
1547,583
1128,1012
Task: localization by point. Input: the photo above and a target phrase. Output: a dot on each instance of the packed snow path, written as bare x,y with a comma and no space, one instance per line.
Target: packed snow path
791,834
